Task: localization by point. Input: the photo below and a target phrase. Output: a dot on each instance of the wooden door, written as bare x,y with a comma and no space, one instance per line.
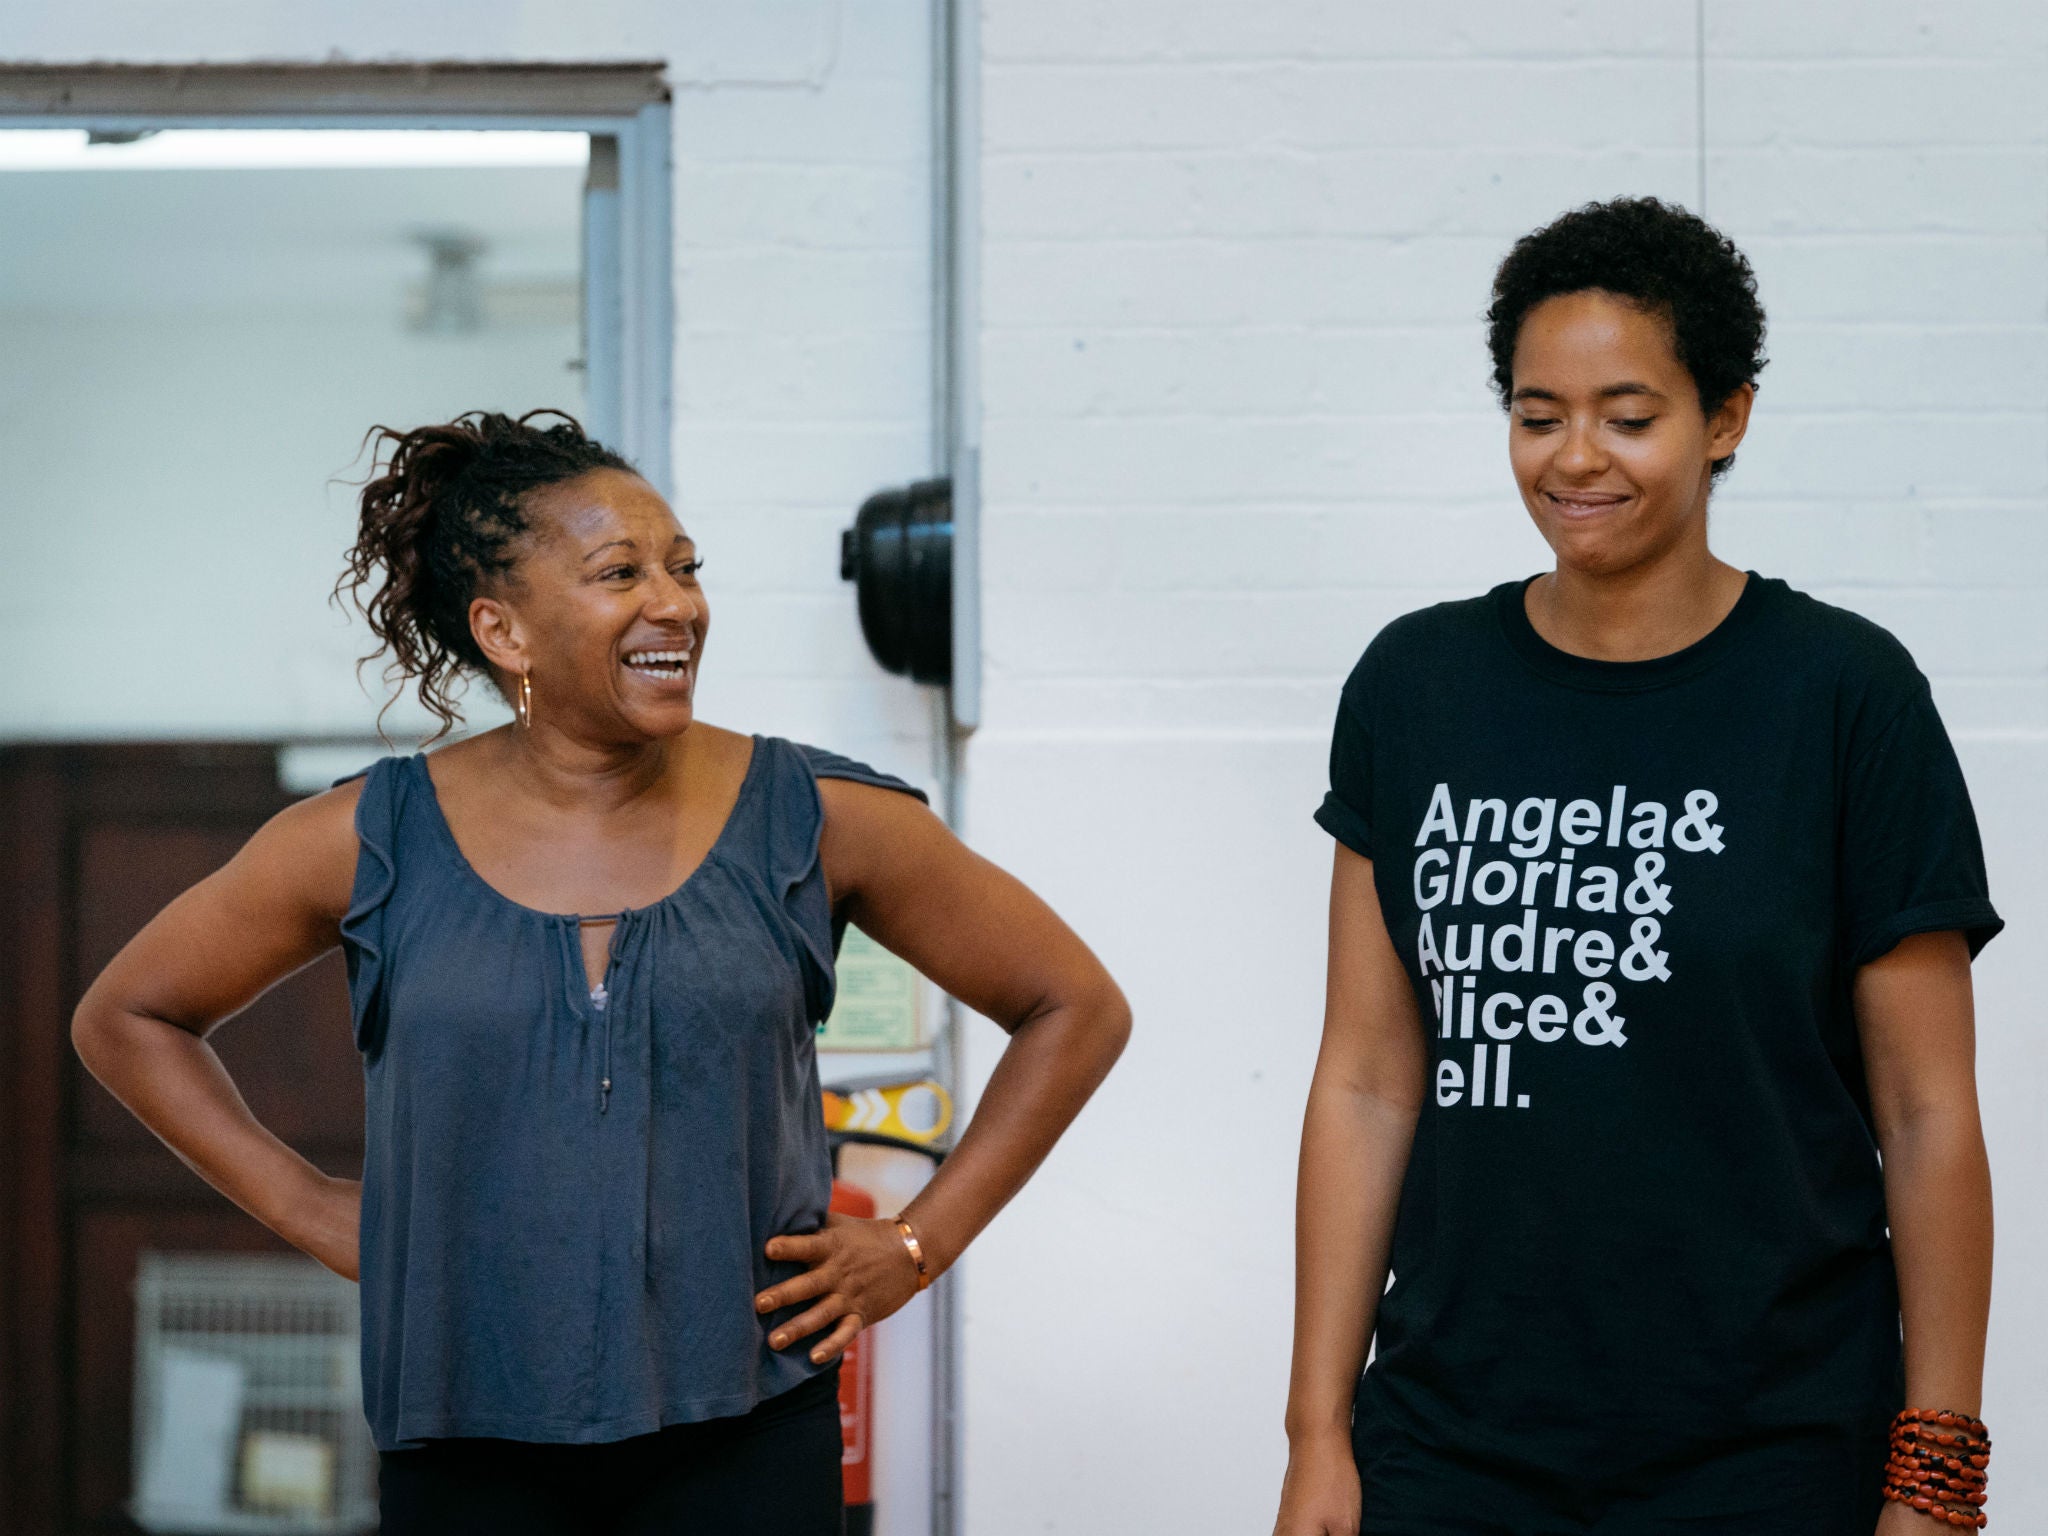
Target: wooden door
94,840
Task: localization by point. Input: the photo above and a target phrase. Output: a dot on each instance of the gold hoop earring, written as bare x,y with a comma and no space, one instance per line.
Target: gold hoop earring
522,706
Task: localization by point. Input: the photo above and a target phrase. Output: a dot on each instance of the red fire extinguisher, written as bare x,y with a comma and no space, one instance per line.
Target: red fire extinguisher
857,1396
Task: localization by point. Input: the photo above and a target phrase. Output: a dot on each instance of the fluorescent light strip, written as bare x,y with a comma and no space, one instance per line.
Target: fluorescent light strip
220,149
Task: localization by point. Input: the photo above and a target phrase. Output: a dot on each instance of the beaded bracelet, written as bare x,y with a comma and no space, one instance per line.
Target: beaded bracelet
1937,1465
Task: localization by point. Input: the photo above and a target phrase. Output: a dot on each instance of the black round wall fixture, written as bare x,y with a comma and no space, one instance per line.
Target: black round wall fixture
899,556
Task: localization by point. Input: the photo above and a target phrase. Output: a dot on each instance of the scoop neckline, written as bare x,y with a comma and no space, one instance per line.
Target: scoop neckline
1510,603
439,819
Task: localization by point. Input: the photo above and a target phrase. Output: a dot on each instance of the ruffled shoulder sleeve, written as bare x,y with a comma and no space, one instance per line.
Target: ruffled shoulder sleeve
795,822
363,940
830,765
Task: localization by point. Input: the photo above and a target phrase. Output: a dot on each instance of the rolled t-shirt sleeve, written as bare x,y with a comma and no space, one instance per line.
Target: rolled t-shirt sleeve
1911,861
1346,811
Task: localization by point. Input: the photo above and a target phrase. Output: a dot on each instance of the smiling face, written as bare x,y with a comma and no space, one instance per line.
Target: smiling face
1610,447
603,612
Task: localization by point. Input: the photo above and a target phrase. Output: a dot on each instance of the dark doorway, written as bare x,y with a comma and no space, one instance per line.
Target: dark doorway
94,840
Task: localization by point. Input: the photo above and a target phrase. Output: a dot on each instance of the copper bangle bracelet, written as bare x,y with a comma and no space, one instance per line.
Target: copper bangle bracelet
924,1274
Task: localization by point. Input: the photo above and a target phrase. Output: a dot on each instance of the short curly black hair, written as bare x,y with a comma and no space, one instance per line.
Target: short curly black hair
1661,257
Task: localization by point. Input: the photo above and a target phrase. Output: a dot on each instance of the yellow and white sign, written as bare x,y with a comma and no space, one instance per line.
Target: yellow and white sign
919,1112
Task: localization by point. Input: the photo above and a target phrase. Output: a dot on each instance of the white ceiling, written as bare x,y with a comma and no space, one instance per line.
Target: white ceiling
241,240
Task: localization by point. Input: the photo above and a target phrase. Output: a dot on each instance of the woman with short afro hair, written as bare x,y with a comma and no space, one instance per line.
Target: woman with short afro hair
1643,1147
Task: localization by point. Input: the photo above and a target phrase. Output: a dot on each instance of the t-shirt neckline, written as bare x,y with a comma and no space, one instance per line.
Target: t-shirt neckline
1510,606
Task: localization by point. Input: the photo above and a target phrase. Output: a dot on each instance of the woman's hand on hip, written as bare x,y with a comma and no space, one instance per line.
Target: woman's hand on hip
856,1271
1320,1496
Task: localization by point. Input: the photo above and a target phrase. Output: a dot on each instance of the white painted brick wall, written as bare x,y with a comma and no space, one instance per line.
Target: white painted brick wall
1236,418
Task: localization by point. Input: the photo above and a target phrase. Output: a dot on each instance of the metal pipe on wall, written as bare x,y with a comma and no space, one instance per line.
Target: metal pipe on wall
956,441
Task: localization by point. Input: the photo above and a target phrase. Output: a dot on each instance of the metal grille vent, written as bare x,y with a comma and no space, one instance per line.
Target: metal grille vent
248,1398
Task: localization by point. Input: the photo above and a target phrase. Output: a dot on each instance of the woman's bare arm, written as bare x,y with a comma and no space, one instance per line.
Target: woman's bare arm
141,1028
1915,1014
896,870
1355,1140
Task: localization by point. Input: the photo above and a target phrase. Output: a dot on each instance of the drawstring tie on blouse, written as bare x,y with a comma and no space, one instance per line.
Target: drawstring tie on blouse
598,998
571,934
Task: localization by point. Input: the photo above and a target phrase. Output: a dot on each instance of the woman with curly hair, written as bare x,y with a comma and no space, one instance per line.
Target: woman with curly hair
1645,1120
587,953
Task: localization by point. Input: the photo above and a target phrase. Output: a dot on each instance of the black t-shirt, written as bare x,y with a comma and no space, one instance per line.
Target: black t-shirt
1643,1219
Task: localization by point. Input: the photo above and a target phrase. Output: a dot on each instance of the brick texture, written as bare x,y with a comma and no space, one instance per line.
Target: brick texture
1236,418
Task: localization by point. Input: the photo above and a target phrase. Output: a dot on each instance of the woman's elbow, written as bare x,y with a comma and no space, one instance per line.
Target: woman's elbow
92,1028
1911,1124
102,1029
1111,1020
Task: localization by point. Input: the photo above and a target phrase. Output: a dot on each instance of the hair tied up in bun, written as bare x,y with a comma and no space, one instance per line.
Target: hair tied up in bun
442,516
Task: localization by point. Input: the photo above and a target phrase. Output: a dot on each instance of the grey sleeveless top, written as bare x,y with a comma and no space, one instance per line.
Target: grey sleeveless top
544,1257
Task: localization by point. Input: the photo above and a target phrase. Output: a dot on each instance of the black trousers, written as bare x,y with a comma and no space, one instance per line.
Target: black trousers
771,1472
